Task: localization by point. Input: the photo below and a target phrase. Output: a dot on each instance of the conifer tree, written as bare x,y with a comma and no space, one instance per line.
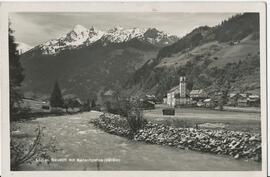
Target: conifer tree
56,99
15,73
93,104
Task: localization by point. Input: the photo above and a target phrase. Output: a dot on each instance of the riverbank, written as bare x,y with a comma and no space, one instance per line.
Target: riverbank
78,139
236,144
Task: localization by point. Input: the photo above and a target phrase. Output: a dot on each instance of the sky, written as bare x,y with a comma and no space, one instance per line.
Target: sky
35,28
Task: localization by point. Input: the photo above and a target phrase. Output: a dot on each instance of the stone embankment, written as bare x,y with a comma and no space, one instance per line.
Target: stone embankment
236,144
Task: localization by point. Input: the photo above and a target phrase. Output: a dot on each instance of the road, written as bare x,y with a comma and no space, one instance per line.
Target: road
80,140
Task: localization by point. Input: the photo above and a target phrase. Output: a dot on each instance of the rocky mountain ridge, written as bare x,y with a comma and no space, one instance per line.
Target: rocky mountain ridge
80,36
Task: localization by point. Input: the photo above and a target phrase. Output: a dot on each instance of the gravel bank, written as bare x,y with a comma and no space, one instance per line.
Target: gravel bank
239,145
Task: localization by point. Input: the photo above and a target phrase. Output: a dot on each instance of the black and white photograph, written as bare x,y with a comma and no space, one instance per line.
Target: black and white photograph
135,91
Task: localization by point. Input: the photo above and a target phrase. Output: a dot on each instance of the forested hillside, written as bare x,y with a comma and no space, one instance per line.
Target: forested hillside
84,71
212,58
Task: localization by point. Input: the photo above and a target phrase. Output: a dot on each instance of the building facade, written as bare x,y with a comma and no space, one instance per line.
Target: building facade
178,95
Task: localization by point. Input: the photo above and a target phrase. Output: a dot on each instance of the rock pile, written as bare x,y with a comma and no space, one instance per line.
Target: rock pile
232,143
113,124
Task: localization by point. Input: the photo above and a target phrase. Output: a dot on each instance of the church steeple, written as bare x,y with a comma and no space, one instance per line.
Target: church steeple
182,86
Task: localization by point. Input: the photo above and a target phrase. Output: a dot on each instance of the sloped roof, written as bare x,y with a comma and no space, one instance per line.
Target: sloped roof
207,100
151,102
243,95
176,88
109,92
231,95
150,96
254,96
195,92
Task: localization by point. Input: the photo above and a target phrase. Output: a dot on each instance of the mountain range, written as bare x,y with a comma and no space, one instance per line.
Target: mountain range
80,36
87,62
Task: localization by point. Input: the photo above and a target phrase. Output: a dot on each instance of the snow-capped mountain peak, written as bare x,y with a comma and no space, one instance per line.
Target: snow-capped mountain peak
79,29
81,36
77,36
120,34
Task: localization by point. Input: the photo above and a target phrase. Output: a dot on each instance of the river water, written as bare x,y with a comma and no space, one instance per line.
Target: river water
82,145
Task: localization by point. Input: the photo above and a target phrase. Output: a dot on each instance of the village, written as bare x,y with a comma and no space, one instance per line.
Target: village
177,97
180,96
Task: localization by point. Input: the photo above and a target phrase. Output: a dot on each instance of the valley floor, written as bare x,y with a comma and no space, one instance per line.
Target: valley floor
80,140
231,120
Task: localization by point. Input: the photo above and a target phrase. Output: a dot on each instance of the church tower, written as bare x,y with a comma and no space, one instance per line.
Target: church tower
182,86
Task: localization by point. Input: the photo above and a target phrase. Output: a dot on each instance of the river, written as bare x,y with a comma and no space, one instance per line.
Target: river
82,144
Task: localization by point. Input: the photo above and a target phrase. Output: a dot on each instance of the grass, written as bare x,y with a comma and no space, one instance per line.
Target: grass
192,117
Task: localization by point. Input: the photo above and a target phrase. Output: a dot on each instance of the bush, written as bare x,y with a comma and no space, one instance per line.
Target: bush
131,110
21,113
35,151
135,116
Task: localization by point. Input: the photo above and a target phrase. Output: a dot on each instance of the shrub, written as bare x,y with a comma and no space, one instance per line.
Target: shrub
22,113
24,152
135,116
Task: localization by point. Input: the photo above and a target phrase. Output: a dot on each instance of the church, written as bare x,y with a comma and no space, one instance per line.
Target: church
178,96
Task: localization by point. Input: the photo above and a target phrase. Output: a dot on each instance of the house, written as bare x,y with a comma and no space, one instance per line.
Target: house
209,103
109,92
200,103
109,99
234,42
34,105
151,98
146,104
198,94
242,100
232,99
253,100
109,95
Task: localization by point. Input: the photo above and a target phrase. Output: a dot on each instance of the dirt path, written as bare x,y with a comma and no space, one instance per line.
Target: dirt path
82,141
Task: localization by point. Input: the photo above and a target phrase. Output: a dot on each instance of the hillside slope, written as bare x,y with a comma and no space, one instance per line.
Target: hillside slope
224,56
83,71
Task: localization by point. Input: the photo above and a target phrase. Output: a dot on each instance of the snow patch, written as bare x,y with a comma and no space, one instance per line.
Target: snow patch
81,36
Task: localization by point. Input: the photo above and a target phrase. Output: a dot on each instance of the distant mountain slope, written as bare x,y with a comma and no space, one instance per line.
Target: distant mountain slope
233,29
84,70
224,56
